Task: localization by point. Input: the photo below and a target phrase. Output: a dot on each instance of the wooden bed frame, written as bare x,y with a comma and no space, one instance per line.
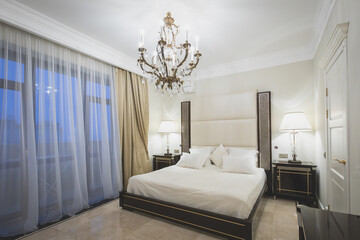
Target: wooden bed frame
214,223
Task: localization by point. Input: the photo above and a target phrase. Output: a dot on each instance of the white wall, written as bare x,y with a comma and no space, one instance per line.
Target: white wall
292,89
344,11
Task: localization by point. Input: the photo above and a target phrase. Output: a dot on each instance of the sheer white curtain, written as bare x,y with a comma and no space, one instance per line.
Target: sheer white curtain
58,132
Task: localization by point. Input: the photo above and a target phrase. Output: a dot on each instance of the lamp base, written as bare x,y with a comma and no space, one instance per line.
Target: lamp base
168,153
294,161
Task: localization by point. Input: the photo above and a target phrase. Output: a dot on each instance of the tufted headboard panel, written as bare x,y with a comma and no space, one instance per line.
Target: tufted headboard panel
230,120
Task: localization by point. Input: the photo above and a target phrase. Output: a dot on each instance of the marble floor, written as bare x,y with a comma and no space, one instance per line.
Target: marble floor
109,221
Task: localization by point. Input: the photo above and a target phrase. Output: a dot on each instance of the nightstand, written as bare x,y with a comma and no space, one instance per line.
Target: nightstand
295,181
161,161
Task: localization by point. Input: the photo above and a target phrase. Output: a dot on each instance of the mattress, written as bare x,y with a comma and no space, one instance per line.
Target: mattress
210,189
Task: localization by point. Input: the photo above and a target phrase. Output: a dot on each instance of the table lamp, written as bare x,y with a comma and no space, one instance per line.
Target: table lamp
167,127
294,122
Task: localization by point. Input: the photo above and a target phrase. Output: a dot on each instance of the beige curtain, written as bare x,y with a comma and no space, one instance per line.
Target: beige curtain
133,104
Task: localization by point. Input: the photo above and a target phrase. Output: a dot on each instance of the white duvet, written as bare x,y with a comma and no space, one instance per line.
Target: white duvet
210,189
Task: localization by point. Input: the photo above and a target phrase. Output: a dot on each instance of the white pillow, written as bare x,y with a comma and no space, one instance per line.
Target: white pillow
207,150
201,150
242,152
207,163
217,156
193,160
236,164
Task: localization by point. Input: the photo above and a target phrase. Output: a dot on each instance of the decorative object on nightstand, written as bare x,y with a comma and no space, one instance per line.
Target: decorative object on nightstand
167,127
161,161
294,122
295,181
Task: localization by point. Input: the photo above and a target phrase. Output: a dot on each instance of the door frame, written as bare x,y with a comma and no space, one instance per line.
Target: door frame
335,47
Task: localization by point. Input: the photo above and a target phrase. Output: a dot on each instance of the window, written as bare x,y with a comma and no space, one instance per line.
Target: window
98,116
57,151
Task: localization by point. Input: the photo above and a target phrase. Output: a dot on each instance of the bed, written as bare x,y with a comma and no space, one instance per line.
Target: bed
226,204
208,188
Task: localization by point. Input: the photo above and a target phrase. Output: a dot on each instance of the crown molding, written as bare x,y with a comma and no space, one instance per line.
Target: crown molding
26,18
323,17
255,63
278,58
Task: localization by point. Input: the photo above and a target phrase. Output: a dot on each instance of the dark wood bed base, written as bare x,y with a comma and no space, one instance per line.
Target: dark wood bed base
218,224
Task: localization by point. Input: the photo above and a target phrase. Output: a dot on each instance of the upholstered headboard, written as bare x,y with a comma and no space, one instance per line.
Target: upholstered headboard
235,120
230,120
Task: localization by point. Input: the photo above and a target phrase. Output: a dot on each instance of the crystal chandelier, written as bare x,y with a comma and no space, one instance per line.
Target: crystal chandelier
171,63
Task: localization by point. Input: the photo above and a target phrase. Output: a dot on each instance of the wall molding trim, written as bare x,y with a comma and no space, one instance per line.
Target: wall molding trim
27,19
255,63
320,203
275,59
323,18
336,39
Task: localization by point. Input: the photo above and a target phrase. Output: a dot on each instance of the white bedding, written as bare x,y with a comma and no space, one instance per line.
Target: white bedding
208,188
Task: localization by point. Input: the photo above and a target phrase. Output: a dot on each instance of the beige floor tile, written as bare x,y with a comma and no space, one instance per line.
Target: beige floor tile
50,234
263,236
109,221
265,227
270,205
206,237
267,217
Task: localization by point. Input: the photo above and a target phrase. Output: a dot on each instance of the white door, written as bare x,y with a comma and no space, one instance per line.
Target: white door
337,103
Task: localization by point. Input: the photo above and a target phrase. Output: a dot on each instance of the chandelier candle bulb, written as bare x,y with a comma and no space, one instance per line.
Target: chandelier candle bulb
154,57
141,39
168,36
197,43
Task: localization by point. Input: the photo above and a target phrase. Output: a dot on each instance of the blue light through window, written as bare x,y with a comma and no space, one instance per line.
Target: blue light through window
10,70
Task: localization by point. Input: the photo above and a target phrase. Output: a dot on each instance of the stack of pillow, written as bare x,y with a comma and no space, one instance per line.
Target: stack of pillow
197,158
232,159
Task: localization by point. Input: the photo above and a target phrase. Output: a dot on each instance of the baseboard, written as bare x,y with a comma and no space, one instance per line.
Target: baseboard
320,204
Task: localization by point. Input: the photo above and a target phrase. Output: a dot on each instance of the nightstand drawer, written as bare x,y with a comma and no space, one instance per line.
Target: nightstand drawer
161,161
294,169
164,159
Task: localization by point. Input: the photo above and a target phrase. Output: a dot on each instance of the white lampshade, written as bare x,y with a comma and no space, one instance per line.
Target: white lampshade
294,121
167,127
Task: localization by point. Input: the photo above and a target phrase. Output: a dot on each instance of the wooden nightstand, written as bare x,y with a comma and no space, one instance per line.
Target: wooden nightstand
295,181
161,161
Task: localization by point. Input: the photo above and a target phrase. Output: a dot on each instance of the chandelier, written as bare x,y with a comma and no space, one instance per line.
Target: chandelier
171,64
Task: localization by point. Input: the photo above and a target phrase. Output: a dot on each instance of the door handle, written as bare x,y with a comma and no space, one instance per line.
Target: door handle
340,161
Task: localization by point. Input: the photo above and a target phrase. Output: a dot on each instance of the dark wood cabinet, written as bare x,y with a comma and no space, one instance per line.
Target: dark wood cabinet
295,181
161,161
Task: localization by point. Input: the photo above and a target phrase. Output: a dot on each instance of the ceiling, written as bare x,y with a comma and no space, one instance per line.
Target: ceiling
228,30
